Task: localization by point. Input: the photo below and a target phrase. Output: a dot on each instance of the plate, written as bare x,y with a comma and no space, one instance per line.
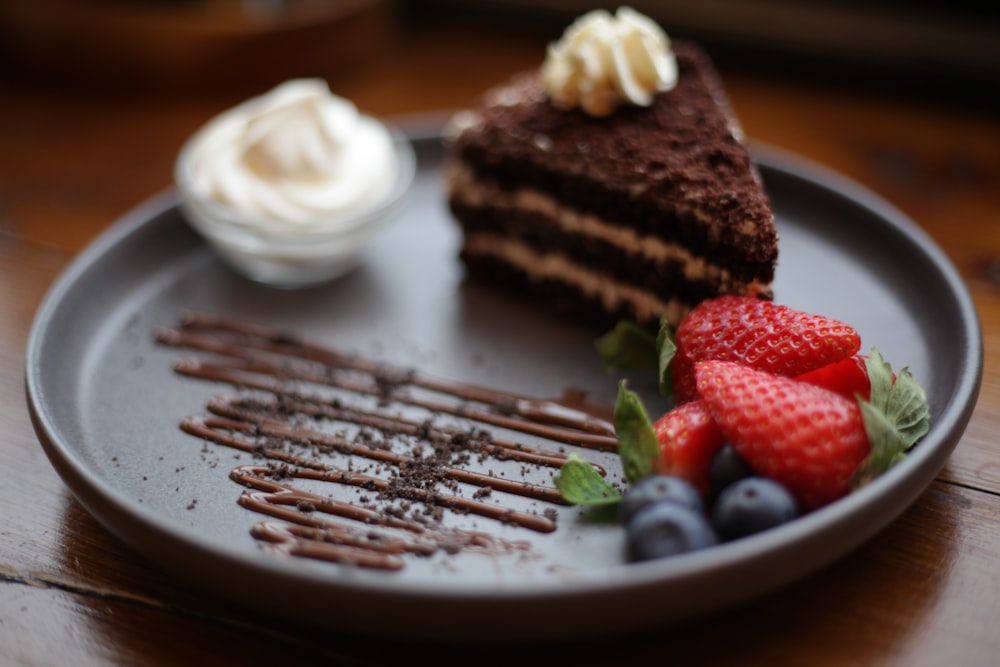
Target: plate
106,404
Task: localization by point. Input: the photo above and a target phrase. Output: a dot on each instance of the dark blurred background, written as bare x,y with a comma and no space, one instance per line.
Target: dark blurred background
932,44
930,47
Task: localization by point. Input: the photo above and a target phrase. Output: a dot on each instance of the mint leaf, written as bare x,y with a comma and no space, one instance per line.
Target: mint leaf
666,348
627,347
637,443
580,484
631,347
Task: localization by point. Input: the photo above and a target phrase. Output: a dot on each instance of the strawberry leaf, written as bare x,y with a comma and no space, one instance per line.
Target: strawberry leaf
637,443
627,347
896,417
907,408
880,378
899,398
887,447
580,484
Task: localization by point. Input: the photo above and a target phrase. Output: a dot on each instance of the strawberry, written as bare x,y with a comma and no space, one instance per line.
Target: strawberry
756,333
807,438
688,439
847,377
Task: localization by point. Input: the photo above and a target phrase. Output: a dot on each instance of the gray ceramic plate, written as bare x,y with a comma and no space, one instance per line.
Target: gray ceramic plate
106,406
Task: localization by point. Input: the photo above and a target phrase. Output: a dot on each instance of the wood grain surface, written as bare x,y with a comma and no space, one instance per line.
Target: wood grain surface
925,591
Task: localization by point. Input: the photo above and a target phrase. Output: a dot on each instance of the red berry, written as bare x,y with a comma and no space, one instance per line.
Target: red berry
756,333
688,438
809,439
847,377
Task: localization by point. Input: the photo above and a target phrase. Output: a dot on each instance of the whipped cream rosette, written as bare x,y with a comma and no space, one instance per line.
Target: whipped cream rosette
290,185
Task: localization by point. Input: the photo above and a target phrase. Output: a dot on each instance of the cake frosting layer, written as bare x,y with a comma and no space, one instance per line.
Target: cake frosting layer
539,218
541,267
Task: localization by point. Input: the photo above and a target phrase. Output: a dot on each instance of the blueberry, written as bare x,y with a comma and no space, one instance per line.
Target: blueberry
665,528
750,506
655,488
727,467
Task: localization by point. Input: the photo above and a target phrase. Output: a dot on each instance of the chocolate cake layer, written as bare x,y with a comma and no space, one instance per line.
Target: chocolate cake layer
608,260
662,202
563,298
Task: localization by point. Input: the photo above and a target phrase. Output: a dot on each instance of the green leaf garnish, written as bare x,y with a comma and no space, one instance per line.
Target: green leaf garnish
627,347
886,445
631,347
666,348
581,484
880,378
896,417
907,408
637,443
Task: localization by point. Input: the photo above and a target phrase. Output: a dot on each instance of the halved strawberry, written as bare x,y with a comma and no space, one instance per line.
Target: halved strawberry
756,333
688,439
847,377
809,439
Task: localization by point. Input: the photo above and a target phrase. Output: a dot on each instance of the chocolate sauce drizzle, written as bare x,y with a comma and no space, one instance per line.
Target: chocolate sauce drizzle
309,413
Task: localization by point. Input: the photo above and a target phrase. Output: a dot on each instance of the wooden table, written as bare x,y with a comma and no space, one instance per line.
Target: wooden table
926,591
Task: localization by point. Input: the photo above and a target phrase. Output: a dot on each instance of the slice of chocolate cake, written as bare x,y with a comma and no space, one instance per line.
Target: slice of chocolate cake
635,207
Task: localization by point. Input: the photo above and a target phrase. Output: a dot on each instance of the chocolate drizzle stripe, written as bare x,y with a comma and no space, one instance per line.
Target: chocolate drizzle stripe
560,424
326,544
207,429
317,407
545,418
275,419
306,534
273,497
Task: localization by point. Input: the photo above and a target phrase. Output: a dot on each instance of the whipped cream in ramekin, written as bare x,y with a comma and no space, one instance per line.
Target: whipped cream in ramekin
603,61
288,186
